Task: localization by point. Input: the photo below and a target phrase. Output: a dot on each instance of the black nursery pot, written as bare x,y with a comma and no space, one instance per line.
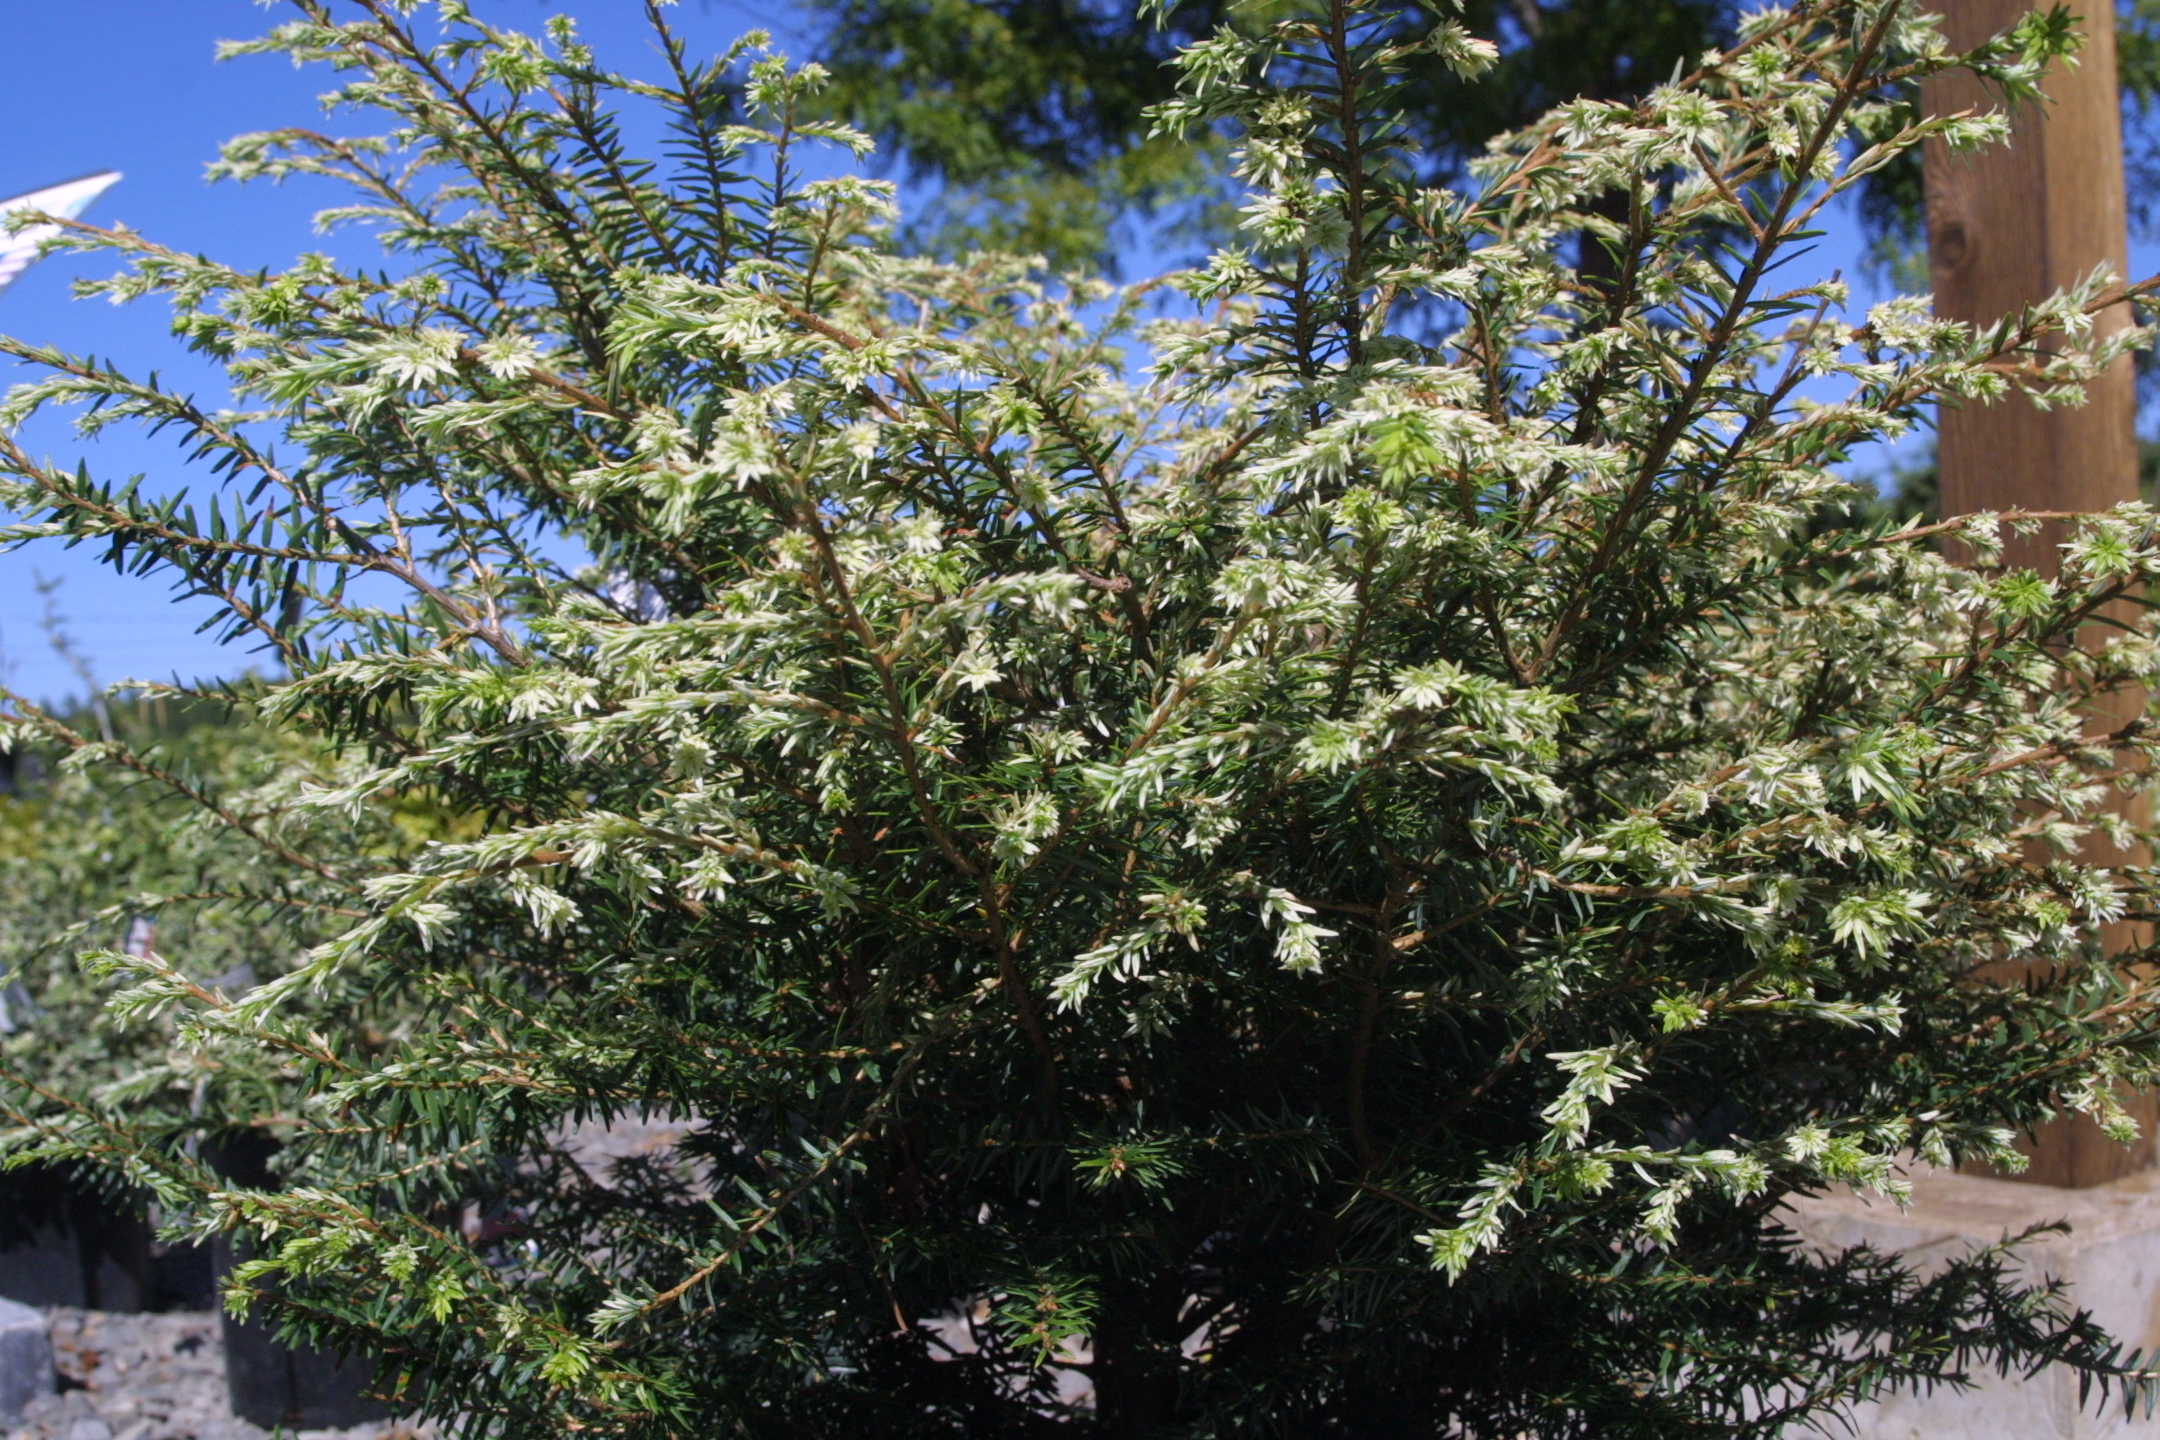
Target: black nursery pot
272,1384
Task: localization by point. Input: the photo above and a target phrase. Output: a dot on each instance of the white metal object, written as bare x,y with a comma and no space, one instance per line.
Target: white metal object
67,200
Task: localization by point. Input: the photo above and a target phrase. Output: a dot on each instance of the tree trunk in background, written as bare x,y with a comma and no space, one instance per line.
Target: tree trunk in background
2007,227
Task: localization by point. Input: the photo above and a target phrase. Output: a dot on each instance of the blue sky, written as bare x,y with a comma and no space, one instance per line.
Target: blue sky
132,85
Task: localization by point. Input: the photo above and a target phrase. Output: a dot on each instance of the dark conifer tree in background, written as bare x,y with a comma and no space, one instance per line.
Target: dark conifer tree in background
1029,117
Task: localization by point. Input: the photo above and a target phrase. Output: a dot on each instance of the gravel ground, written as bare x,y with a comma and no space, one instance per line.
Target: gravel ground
151,1377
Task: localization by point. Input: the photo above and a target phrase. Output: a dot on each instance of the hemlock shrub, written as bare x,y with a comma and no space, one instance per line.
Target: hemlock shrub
1312,847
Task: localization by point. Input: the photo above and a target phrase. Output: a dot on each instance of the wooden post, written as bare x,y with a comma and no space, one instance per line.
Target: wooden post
2008,227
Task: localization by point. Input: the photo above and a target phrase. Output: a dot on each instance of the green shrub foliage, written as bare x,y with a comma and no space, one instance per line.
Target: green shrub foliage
185,835
1307,848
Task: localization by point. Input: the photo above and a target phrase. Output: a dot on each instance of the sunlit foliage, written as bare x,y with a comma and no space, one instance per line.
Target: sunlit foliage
1306,848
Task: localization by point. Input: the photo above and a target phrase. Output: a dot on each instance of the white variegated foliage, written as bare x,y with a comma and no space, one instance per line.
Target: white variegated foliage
1374,804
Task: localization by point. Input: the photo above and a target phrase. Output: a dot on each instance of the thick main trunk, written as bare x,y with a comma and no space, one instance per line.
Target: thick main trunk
1134,1370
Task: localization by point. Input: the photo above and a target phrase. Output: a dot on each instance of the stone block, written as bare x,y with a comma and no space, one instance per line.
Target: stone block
2110,1259
26,1363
